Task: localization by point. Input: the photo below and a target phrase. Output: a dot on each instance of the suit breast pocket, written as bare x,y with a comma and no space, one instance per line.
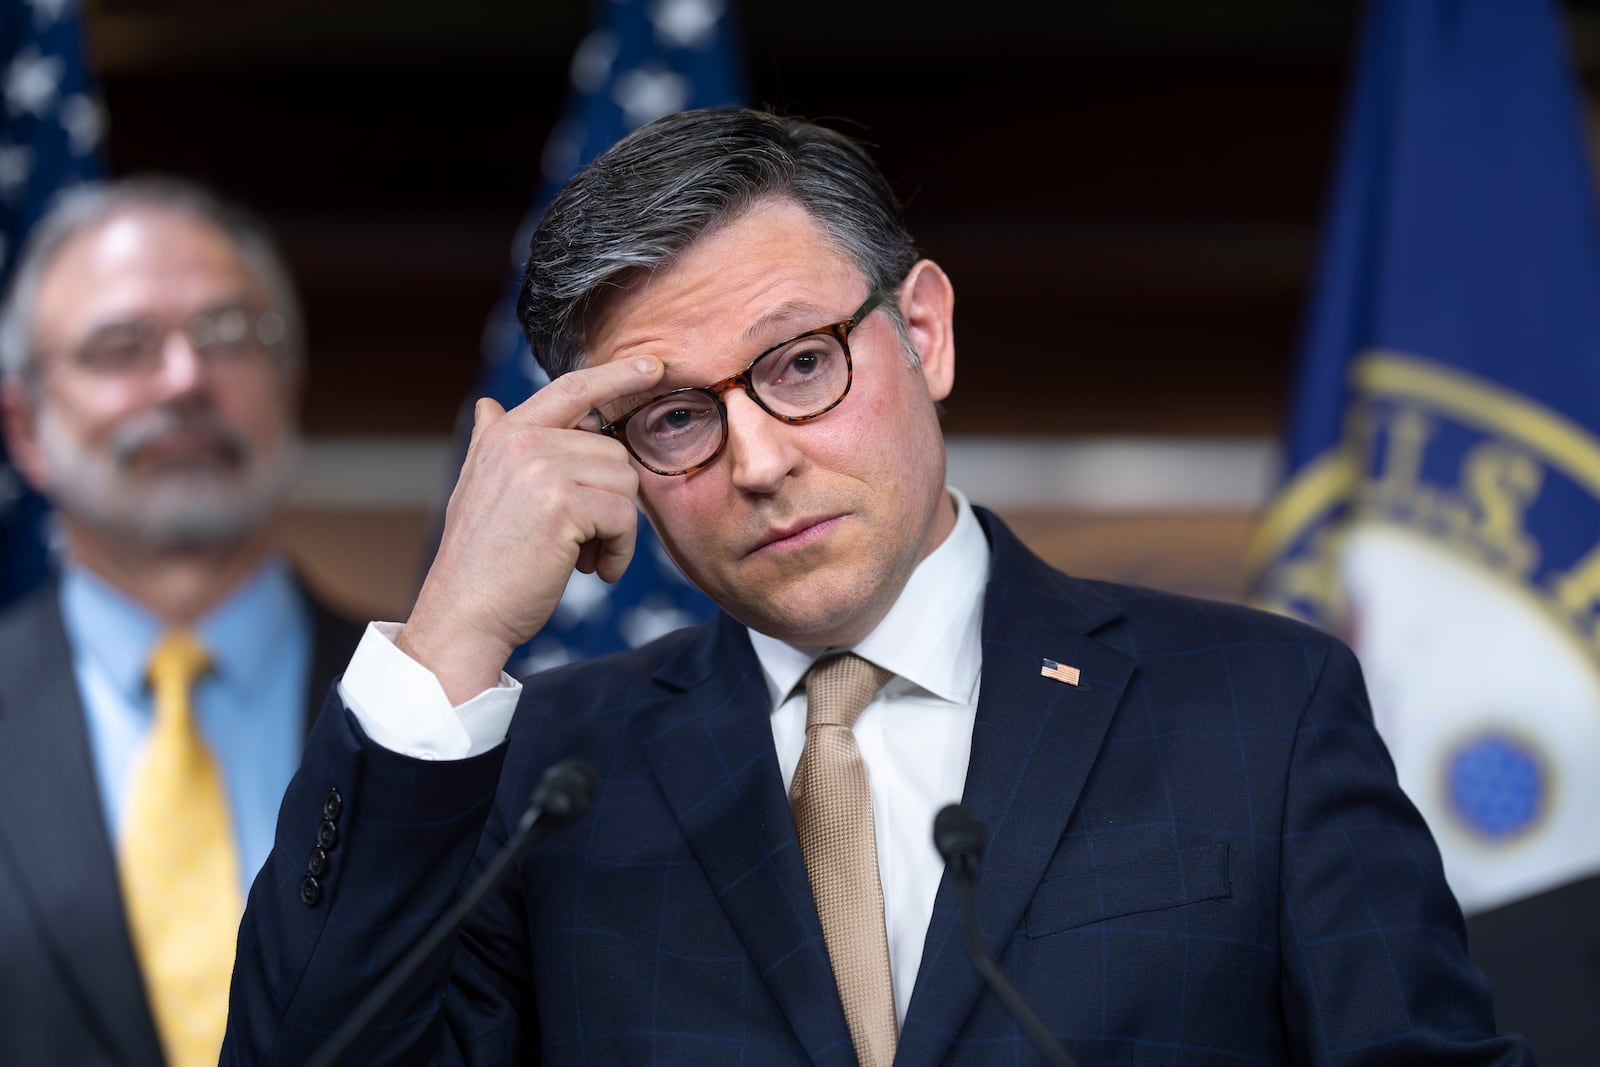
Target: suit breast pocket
1128,877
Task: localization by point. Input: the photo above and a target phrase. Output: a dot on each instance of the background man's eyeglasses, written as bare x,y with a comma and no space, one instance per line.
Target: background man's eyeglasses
686,430
225,336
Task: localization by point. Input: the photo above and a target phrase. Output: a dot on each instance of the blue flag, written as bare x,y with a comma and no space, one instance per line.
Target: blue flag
644,59
1442,505
50,134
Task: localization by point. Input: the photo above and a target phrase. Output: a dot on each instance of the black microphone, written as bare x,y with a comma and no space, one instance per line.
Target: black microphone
565,792
958,835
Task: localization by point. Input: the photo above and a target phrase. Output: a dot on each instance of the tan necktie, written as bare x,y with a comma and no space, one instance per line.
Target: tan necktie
180,871
833,814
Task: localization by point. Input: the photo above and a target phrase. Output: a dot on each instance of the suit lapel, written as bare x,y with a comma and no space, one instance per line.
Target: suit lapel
53,835
1034,743
711,750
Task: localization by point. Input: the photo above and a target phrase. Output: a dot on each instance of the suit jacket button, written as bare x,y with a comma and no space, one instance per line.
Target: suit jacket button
310,891
318,863
327,834
333,804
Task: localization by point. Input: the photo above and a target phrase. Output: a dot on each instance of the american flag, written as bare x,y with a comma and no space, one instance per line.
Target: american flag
642,60
50,137
1059,671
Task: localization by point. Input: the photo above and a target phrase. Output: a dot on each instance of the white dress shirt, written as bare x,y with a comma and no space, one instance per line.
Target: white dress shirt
915,735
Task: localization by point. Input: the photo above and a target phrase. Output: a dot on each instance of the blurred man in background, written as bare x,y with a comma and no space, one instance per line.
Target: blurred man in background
153,699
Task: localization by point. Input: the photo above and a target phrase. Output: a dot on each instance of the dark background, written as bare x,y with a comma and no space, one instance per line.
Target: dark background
1125,192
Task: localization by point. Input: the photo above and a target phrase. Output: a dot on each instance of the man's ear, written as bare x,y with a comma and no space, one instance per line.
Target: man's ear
19,419
928,301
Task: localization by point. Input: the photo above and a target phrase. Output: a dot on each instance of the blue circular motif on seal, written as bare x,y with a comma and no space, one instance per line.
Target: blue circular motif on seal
1496,785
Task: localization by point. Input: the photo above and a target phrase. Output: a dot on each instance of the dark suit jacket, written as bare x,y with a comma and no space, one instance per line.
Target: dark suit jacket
1543,955
70,988
1197,855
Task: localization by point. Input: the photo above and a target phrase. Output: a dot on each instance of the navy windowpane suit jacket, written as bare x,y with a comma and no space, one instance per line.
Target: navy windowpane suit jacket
1197,855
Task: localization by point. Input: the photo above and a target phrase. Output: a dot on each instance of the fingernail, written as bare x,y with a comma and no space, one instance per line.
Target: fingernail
645,364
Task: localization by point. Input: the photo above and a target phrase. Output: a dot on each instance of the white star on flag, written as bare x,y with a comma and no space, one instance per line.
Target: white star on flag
16,164
541,657
642,624
32,81
591,62
646,94
560,158
585,593
686,23
84,122
47,13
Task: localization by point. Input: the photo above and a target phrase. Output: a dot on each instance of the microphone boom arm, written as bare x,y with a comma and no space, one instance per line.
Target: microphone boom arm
958,835
565,792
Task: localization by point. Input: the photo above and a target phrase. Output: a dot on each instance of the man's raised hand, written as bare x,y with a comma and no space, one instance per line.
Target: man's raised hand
536,498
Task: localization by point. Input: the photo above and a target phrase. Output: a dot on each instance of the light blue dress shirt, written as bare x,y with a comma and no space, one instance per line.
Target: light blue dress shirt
251,705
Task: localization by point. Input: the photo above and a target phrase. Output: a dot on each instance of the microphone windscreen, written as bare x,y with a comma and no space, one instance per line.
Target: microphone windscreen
957,833
567,789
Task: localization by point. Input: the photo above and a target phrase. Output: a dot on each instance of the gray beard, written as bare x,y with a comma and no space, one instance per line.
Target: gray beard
193,508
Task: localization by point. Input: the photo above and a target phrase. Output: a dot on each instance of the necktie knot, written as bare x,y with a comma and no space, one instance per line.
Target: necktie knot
176,661
839,688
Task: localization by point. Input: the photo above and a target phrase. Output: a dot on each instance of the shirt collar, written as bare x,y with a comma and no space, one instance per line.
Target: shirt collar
109,628
118,633
245,634
931,637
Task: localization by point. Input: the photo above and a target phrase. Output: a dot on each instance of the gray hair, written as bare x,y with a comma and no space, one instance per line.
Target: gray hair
646,199
83,207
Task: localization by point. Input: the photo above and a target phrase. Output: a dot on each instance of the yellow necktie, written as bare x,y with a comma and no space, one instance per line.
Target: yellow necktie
180,871
832,805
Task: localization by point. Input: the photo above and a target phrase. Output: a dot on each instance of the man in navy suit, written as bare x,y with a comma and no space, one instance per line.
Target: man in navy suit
1197,851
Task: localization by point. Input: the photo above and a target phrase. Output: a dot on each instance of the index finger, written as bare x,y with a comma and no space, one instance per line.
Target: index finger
568,400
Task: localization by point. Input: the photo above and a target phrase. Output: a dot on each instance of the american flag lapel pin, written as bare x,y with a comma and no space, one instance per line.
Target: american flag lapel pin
1059,671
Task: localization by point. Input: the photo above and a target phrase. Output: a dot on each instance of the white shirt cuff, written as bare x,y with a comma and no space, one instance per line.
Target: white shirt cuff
402,706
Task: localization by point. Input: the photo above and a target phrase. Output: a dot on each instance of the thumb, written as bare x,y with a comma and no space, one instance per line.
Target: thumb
484,413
